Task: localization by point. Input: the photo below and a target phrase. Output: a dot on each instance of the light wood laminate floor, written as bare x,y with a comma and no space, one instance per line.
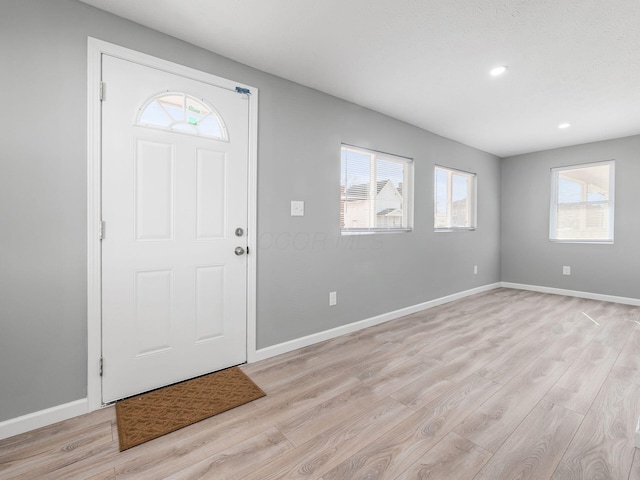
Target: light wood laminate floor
502,385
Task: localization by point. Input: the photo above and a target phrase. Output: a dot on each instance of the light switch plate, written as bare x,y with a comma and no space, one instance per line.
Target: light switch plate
297,208
333,298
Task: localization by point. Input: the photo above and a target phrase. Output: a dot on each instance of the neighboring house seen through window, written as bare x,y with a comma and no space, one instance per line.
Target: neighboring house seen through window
454,200
375,191
582,203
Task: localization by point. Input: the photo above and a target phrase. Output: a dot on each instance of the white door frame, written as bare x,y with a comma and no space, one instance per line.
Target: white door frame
95,49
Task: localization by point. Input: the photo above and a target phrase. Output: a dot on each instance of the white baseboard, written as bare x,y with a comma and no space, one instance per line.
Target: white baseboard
302,342
574,293
42,418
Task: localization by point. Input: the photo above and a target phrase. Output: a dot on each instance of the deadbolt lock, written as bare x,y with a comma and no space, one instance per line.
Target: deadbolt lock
239,232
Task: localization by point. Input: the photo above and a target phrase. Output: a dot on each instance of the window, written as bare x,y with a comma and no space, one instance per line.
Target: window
455,200
179,112
375,191
582,203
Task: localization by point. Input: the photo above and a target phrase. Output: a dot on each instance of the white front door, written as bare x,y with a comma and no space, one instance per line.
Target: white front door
174,206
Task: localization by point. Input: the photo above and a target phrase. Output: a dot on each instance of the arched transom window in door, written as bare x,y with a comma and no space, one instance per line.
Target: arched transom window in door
183,113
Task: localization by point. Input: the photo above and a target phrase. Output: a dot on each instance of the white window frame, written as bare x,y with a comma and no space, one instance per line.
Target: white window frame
224,137
472,194
407,194
553,219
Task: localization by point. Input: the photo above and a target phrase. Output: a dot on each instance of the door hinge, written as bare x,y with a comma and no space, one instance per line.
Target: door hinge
243,90
102,91
101,366
101,230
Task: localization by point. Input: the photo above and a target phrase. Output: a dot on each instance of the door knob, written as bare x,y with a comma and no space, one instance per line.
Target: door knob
239,251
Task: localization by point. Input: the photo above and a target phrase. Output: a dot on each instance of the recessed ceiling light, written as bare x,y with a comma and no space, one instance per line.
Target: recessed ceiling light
564,125
498,70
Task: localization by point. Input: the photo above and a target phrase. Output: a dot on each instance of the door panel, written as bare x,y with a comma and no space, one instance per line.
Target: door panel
174,291
209,302
211,194
153,190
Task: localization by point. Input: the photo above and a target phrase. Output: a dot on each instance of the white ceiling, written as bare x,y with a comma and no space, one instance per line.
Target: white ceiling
427,61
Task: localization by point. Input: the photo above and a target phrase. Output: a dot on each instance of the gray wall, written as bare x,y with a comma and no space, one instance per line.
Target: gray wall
527,254
43,203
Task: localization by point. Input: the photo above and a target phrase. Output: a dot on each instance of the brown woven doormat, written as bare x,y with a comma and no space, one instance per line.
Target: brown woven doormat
151,415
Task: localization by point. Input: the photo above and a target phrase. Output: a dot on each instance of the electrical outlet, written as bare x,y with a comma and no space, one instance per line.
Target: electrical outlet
333,298
566,270
475,269
297,208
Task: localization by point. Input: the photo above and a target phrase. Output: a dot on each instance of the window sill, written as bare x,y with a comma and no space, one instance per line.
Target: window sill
372,232
459,229
586,242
